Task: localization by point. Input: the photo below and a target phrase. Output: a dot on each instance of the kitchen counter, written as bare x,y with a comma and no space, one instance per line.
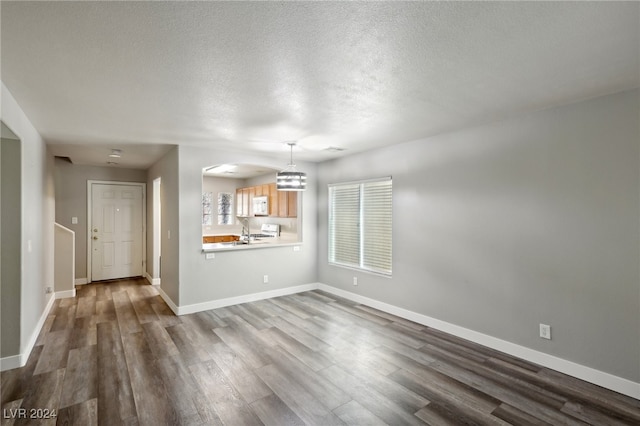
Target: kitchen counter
255,244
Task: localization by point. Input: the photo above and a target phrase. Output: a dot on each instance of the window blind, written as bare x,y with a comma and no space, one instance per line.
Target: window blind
360,225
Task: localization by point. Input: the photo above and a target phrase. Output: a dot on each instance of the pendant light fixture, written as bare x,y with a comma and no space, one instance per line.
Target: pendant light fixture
290,179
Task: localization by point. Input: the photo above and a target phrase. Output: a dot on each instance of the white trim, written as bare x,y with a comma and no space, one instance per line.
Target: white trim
589,374
168,301
56,224
34,336
152,281
11,362
80,281
156,231
229,301
20,360
143,185
65,294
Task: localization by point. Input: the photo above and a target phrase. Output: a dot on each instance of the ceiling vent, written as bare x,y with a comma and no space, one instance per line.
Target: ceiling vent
334,149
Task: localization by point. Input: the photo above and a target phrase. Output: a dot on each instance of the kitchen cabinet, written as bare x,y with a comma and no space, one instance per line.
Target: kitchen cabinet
287,204
238,201
273,199
292,204
210,239
281,203
251,191
242,202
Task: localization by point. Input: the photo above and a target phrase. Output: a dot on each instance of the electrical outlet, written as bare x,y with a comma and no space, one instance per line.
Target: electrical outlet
296,248
265,279
355,280
210,256
545,331
48,290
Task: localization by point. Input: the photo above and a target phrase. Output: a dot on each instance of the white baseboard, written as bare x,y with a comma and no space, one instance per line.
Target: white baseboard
579,371
221,303
65,294
34,335
152,281
168,301
20,360
10,362
81,281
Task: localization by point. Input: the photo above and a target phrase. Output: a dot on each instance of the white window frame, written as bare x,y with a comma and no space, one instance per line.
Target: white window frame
366,254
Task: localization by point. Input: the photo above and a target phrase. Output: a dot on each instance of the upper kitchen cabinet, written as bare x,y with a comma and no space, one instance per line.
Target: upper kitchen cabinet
272,192
280,203
242,202
287,204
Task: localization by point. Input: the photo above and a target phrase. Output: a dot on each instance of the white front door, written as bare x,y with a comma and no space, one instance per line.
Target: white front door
116,231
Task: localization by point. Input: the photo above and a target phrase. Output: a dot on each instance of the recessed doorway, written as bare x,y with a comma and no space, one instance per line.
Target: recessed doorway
116,222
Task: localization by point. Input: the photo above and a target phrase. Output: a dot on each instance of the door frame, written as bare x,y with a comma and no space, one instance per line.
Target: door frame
89,219
156,232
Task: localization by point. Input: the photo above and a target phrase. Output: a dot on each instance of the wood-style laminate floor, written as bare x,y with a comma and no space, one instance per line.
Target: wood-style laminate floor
116,354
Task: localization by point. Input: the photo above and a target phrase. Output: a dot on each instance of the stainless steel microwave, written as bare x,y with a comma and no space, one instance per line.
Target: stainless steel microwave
261,206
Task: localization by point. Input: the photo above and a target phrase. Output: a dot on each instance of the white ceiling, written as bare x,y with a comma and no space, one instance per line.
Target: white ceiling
93,76
238,171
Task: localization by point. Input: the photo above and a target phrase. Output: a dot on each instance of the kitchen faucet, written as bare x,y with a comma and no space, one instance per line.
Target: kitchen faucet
245,225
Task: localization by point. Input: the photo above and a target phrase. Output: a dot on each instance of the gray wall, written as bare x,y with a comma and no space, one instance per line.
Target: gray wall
37,219
237,273
10,254
525,221
166,169
71,199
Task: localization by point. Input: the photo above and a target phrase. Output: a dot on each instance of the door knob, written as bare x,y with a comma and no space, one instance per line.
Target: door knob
95,238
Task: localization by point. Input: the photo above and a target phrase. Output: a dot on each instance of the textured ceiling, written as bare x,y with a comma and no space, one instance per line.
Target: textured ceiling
249,76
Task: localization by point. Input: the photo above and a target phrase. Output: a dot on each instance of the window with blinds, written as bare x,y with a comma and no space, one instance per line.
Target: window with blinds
360,219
